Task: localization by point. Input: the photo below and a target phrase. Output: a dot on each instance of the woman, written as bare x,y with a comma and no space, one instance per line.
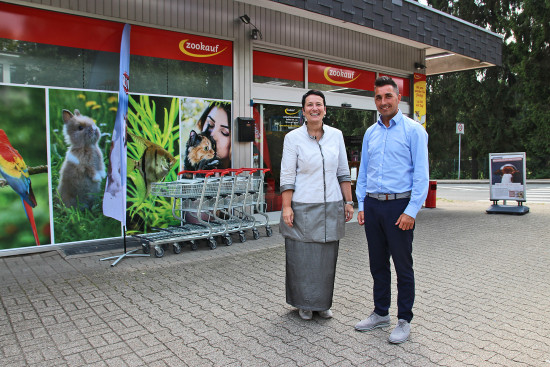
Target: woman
216,120
315,180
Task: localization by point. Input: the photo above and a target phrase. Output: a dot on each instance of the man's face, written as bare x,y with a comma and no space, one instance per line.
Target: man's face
387,101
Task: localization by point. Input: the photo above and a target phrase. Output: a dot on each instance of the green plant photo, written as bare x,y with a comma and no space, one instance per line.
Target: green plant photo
153,134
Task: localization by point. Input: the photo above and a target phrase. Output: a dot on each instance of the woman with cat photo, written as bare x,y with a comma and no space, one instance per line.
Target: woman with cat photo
317,201
216,122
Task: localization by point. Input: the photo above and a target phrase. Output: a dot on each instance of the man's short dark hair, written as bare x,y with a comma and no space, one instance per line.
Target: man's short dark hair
314,92
386,80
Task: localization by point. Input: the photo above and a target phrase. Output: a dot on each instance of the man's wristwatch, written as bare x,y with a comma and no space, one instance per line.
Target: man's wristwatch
349,202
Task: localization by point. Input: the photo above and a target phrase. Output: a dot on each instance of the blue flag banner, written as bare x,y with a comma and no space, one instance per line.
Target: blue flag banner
114,200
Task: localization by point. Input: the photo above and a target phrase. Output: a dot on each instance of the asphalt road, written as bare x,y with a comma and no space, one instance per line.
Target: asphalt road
536,193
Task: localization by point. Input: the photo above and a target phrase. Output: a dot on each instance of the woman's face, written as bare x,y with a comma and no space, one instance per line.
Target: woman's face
218,126
314,109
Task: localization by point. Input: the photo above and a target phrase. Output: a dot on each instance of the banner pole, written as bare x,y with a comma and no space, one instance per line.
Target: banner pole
114,201
125,254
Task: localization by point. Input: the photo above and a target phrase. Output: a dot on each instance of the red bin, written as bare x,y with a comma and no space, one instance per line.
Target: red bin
430,199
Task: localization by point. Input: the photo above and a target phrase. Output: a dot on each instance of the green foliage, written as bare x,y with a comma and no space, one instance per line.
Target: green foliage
146,211
72,224
350,122
505,108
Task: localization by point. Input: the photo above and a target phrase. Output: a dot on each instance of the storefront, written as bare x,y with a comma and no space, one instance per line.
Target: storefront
59,63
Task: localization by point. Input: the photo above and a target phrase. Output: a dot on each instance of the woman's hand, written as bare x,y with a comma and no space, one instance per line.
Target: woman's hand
349,212
288,216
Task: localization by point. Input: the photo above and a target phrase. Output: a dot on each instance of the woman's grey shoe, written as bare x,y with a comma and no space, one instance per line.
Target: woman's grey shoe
401,332
326,314
372,322
305,314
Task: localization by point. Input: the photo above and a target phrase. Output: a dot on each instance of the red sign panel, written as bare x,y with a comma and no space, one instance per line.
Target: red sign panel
340,76
47,27
404,85
278,66
179,46
41,26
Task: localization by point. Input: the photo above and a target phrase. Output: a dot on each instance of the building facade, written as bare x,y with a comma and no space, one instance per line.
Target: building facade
247,59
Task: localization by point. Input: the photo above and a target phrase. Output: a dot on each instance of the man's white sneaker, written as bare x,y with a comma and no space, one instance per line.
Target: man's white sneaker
305,314
401,332
372,322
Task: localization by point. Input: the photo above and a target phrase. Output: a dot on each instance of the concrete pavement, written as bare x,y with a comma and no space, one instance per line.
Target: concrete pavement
483,299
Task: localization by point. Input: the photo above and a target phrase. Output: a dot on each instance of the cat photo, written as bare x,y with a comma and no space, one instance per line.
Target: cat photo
83,168
200,152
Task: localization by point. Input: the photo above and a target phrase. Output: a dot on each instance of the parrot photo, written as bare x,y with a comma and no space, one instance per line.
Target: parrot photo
14,170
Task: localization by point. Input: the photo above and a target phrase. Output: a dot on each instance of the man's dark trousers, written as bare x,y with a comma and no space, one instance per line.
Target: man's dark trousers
385,239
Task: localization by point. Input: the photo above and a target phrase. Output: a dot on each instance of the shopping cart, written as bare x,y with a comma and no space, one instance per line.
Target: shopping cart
211,204
207,208
248,199
239,196
191,201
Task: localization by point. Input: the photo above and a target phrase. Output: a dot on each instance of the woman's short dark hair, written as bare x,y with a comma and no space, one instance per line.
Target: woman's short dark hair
314,92
386,80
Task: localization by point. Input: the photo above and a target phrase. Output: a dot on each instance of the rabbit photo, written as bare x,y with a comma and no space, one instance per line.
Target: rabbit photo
83,168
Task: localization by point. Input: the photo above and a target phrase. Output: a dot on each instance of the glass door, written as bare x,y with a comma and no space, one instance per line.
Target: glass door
278,120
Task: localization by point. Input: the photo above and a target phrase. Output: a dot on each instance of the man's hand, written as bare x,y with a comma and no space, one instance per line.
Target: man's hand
405,222
361,218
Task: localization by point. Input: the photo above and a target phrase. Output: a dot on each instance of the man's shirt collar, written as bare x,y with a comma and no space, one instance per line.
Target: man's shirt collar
394,120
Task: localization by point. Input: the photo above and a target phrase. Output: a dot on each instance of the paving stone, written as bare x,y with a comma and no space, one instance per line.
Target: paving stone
227,307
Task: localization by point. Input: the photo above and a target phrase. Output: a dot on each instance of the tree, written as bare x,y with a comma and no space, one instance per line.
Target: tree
531,64
504,108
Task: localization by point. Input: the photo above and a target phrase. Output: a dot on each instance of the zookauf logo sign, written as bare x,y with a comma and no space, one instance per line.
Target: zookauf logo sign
340,76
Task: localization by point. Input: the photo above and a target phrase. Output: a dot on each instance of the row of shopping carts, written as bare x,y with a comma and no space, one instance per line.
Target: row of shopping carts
210,205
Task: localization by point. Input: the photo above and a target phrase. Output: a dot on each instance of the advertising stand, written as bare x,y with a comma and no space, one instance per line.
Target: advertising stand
114,201
507,180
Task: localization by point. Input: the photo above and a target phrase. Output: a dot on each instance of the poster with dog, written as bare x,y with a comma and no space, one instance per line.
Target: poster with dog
507,176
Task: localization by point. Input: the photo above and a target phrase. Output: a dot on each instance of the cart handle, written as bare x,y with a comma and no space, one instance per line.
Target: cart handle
256,169
226,171
248,170
205,172
237,171
252,170
223,172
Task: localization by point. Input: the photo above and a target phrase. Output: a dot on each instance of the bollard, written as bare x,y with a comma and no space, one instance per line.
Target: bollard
430,199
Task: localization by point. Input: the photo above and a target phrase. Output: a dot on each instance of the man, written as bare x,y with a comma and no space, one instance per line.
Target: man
392,185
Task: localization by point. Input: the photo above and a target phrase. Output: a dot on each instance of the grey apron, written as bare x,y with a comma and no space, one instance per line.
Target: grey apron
310,271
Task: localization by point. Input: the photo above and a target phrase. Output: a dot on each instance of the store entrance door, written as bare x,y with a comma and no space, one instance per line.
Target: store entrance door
277,120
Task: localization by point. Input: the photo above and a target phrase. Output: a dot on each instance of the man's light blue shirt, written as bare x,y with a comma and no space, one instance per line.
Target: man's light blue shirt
394,160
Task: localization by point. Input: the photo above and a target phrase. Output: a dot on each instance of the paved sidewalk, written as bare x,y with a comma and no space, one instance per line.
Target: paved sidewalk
483,299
